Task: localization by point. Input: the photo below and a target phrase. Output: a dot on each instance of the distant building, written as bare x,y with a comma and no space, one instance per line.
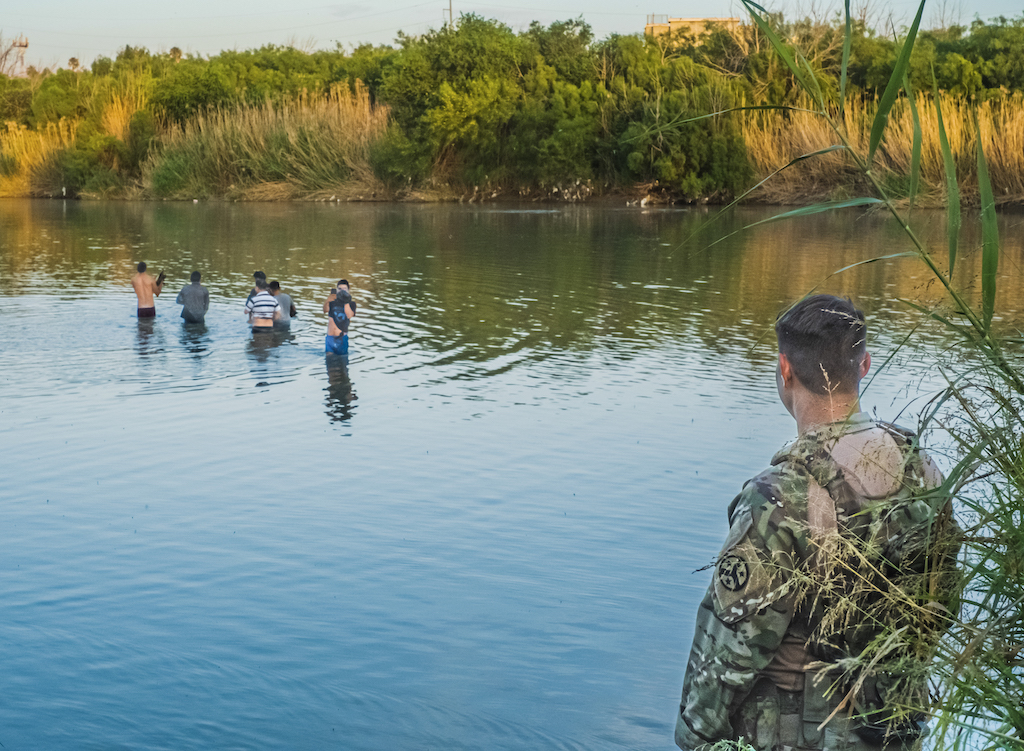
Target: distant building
658,25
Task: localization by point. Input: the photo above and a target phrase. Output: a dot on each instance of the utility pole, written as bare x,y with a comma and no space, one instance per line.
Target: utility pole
20,45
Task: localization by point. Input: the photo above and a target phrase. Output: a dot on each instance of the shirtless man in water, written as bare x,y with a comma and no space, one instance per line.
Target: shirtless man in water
146,287
336,340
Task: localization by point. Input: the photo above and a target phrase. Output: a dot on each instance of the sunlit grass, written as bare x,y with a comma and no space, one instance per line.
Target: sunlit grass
313,146
22,151
126,97
774,141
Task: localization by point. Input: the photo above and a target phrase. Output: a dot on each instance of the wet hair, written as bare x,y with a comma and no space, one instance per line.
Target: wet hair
274,285
344,281
261,283
259,275
824,337
141,267
196,276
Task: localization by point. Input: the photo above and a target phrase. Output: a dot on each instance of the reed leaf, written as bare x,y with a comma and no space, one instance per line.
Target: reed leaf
952,187
892,89
819,98
902,254
847,42
989,237
915,148
818,209
719,214
755,12
963,331
681,120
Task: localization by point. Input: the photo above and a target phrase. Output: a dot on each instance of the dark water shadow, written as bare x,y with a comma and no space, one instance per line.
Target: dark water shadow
149,340
340,395
195,339
263,343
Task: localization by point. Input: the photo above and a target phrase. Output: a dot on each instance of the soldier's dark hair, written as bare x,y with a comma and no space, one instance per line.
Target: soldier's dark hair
141,267
196,276
824,338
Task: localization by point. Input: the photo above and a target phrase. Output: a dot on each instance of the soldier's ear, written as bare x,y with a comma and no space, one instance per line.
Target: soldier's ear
785,369
865,366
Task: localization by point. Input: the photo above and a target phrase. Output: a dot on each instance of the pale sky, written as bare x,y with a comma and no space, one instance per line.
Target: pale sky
60,29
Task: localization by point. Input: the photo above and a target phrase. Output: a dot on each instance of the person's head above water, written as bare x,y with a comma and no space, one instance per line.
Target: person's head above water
259,275
274,286
824,338
141,267
343,284
261,283
196,276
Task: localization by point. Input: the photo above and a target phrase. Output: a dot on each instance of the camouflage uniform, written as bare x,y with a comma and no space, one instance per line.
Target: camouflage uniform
746,672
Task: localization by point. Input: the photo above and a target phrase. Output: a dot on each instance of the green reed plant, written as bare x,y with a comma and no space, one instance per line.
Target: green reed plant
978,665
311,146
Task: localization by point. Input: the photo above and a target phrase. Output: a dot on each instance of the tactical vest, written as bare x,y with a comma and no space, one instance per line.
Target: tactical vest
871,519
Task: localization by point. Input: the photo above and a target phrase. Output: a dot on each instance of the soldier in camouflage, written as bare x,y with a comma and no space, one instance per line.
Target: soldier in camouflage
763,629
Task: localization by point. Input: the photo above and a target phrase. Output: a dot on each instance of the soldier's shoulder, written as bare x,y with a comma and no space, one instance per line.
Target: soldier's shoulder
774,490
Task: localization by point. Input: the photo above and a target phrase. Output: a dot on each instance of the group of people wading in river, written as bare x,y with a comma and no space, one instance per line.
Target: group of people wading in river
267,307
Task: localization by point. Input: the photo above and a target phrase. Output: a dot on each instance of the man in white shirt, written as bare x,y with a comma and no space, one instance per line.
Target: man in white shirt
262,308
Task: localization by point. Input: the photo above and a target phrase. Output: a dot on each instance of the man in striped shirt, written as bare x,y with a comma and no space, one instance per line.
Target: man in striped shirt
262,308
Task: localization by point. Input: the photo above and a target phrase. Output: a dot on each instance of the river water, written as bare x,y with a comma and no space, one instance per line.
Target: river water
481,531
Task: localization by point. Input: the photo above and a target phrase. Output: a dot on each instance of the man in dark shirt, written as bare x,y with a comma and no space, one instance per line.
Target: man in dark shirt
256,275
194,299
288,311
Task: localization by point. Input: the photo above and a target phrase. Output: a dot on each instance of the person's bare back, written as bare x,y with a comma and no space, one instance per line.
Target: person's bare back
146,288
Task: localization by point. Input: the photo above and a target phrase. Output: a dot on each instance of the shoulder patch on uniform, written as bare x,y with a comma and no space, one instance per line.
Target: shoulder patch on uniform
742,582
733,572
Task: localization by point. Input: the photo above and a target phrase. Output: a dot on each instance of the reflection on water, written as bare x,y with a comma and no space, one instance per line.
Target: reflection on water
195,339
339,388
555,409
149,340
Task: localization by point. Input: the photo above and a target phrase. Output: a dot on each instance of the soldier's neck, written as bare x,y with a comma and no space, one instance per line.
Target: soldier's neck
811,411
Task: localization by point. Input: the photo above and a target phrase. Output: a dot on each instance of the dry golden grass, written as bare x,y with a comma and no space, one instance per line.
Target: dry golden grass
24,150
773,141
127,97
313,146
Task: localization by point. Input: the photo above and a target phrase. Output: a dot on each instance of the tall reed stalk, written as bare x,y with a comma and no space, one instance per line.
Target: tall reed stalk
978,670
126,97
773,142
314,145
23,150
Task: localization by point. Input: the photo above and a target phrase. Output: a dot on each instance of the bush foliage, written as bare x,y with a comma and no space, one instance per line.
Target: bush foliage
477,106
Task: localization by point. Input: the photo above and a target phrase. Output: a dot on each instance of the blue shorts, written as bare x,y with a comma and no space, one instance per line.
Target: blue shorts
336,344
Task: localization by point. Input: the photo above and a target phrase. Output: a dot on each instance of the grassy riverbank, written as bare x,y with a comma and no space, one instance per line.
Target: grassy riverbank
773,142
478,111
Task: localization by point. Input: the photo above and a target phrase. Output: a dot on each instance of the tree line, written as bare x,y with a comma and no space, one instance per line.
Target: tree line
474,108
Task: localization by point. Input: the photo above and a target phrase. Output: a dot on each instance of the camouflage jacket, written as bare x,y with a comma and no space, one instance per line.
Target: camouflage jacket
753,605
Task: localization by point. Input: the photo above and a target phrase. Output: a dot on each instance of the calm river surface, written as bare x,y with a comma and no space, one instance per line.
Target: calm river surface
481,532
